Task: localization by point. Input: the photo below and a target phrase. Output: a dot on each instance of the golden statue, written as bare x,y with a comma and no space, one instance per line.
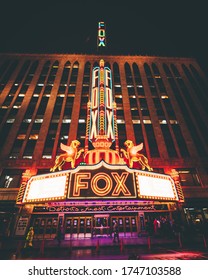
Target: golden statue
71,155
132,155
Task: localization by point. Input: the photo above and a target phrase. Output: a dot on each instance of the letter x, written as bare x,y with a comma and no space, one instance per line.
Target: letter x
120,186
93,127
102,43
110,130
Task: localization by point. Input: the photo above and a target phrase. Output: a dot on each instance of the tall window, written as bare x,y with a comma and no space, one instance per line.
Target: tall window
81,133
73,80
18,102
138,80
139,136
119,105
46,82
151,140
180,140
129,80
158,79
131,93
5,131
13,101
117,86
6,71
168,140
150,80
192,103
70,75
63,112
200,86
172,78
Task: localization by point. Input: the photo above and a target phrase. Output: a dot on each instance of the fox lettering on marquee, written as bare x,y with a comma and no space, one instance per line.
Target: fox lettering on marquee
101,184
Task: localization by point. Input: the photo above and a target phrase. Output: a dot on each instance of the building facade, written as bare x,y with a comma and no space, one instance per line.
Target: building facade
160,102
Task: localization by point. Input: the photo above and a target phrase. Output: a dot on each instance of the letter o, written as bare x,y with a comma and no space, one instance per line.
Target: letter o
101,32
101,191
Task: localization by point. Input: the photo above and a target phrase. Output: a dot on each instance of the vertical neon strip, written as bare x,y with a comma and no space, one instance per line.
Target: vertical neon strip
101,104
115,127
87,128
105,105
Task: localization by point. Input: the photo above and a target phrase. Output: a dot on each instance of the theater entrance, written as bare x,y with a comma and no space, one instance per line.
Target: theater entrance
81,226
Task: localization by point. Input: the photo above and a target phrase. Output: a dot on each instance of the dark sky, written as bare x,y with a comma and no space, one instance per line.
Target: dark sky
163,28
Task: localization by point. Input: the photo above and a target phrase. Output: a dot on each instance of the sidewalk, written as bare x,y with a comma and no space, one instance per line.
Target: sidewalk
102,248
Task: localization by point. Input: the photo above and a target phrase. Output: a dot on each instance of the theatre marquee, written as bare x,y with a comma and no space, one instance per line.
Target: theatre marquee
99,182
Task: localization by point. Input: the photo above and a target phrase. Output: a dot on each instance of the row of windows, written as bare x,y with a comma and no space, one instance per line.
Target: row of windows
192,75
139,103
72,83
11,178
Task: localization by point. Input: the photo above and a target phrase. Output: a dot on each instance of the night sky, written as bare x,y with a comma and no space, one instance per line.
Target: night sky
133,27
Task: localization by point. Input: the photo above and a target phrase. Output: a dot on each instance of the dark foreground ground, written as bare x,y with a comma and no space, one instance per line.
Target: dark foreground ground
103,248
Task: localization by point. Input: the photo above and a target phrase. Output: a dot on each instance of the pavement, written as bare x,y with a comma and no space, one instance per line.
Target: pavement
103,248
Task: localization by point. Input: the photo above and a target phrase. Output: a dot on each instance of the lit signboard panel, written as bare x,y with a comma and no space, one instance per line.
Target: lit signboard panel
100,182
156,186
46,187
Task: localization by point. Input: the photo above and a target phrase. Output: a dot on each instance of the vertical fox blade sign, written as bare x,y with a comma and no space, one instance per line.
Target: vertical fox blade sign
102,105
101,39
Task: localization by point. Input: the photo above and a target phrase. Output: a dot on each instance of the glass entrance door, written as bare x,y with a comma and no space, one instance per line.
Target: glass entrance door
101,225
78,227
45,227
128,225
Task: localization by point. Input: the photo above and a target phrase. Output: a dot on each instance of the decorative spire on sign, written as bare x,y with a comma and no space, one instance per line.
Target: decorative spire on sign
101,109
101,129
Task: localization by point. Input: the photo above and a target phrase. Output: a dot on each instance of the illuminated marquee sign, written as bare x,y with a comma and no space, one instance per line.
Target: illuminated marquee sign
102,182
101,35
47,187
156,186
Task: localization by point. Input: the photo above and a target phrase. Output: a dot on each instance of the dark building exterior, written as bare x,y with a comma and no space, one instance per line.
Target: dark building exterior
160,102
